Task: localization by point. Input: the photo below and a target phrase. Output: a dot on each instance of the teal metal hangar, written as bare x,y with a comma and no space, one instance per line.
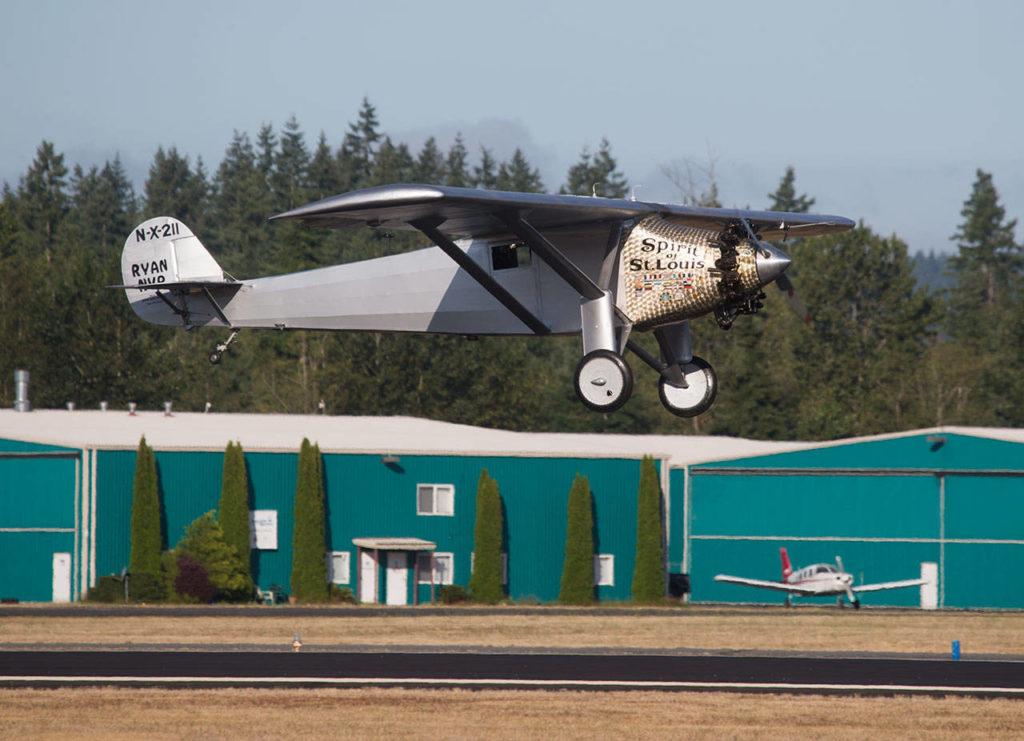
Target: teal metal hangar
946,503
401,503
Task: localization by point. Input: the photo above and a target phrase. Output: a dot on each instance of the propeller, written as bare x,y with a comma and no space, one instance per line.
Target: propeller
839,563
796,303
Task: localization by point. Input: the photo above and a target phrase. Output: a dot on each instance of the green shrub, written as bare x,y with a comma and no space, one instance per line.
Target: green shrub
343,595
107,589
204,543
449,594
146,588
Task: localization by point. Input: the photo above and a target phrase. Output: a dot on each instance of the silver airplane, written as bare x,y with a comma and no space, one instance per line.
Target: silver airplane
504,264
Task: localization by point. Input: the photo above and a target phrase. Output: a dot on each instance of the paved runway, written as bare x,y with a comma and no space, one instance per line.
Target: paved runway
19,668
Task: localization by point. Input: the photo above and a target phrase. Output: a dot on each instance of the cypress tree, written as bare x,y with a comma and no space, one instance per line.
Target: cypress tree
309,552
577,586
233,510
146,533
649,571
485,582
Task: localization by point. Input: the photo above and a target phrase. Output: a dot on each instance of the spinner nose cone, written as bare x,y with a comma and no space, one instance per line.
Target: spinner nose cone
771,262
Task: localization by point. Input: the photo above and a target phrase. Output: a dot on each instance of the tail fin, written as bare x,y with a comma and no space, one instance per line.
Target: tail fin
787,568
164,253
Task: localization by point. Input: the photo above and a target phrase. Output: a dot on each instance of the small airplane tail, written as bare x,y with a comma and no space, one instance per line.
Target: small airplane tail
163,253
787,568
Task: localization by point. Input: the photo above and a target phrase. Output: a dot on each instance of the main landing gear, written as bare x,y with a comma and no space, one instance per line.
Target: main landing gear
687,385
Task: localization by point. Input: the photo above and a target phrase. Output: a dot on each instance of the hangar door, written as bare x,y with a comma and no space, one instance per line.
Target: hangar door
883,524
37,525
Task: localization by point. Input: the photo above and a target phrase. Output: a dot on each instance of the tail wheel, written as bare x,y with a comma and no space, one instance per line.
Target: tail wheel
699,393
603,381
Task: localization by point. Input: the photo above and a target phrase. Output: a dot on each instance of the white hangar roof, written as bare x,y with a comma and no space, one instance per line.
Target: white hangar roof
116,429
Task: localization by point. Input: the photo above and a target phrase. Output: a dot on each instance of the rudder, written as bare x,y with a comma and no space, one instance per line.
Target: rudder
164,252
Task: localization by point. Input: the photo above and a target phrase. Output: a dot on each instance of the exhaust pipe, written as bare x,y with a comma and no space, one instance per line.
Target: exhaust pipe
21,402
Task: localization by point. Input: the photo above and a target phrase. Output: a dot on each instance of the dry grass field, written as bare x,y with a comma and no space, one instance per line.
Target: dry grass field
376,713
110,713
756,629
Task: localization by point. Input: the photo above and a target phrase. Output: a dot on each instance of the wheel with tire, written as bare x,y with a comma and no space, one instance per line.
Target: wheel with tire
214,357
603,381
699,394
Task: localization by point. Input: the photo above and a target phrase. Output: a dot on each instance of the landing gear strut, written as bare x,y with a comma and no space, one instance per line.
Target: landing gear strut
215,356
688,384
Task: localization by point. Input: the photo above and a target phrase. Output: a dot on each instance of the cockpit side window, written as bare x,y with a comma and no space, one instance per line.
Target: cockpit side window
509,255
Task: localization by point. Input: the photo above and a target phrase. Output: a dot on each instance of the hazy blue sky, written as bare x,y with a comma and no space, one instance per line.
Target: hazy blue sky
885,109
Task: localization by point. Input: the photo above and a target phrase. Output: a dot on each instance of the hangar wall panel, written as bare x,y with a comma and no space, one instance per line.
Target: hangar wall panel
367,498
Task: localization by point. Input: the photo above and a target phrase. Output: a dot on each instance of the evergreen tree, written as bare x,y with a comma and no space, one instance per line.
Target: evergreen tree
359,148
323,177
309,544
517,175
989,273
869,323
785,198
456,168
649,569
291,164
146,526
233,510
596,174
485,582
485,174
174,189
42,202
393,164
577,586
430,164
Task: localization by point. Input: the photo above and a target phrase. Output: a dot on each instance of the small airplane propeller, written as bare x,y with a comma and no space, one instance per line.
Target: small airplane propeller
839,563
796,303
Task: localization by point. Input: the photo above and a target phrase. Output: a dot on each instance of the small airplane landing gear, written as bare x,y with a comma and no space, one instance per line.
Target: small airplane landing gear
215,356
699,393
603,381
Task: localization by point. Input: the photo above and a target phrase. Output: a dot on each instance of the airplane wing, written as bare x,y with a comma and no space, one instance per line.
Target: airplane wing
477,212
890,585
778,586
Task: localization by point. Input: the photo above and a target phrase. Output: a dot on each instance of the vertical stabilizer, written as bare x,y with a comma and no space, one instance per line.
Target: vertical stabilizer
787,568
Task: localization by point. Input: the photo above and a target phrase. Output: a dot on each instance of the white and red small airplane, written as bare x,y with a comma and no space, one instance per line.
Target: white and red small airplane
817,580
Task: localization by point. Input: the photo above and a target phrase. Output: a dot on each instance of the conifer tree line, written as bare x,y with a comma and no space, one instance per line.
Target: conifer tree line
881,353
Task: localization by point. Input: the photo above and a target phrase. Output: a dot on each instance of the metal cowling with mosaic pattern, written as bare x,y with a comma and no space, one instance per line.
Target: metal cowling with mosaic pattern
667,272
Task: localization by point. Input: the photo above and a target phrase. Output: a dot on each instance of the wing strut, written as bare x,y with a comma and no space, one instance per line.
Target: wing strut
429,227
553,256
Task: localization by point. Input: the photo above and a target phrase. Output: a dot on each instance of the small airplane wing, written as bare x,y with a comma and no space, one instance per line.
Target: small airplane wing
890,585
477,212
777,586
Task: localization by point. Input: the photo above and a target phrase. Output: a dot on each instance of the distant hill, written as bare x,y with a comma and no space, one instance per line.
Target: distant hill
930,271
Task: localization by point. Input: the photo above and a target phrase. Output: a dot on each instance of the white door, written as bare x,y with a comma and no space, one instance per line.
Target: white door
367,576
398,578
61,577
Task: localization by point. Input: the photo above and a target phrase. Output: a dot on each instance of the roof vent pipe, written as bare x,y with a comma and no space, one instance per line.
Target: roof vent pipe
21,402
